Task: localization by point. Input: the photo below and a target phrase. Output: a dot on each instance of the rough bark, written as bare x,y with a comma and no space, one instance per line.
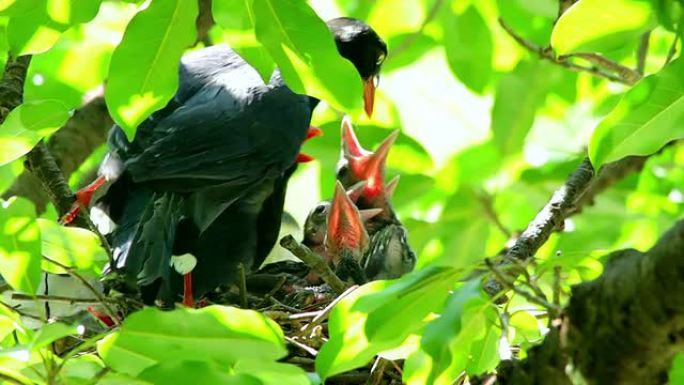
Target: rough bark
623,328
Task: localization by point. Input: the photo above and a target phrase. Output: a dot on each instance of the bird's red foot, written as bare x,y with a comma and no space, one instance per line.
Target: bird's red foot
187,291
83,198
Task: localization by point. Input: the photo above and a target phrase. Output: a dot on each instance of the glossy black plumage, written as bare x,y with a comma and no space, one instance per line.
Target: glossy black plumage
207,174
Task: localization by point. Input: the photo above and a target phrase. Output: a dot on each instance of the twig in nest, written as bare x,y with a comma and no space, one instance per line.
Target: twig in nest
242,285
323,314
509,284
98,295
313,352
315,262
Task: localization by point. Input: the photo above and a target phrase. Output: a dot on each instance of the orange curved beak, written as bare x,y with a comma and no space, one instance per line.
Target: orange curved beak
369,95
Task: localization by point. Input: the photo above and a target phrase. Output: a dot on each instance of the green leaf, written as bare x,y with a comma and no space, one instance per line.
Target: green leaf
52,332
484,353
306,54
72,246
518,97
215,333
676,375
448,339
195,372
601,25
379,316
19,245
143,73
33,32
646,118
27,124
19,7
237,19
273,372
468,46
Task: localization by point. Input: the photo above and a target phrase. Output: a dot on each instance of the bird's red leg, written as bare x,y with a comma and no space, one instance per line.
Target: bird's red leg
83,197
187,290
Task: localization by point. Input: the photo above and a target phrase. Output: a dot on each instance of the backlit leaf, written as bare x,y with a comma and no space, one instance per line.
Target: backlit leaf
601,25
304,49
143,73
27,124
647,117
19,245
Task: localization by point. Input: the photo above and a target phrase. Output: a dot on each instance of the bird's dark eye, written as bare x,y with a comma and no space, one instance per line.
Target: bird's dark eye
319,209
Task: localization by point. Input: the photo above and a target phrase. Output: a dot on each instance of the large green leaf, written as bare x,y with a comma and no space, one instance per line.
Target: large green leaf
601,25
72,246
379,316
448,339
518,97
143,73
647,117
27,124
237,19
19,245
468,46
36,30
195,372
304,49
221,334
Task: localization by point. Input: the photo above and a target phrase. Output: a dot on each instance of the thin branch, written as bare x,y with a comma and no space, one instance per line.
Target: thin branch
409,40
673,47
509,284
547,54
629,75
488,206
98,295
56,298
315,262
642,51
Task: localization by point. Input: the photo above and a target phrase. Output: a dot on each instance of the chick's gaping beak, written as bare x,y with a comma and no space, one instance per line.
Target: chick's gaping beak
369,94
345,228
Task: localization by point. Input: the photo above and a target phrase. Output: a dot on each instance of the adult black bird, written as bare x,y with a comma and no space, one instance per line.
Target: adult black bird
207,174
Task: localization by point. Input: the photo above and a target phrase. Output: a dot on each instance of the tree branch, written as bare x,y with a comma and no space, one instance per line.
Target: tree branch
315,262
620,74
624,327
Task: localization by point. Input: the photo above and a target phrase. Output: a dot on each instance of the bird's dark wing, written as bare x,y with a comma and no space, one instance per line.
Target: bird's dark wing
224,136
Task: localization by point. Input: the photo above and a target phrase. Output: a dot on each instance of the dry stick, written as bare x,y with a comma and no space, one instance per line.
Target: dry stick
547,54
315,262
101,299
302,346
242,285
323,314
20,312
56,298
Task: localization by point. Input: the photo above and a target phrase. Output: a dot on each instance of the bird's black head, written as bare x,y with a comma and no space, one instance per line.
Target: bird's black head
359,43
